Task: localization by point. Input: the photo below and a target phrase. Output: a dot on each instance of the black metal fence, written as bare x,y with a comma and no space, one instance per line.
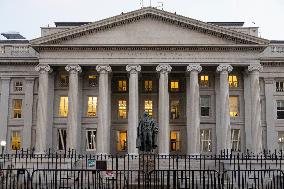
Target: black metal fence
25,169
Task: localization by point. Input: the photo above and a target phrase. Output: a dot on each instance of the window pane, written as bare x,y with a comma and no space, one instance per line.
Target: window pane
61,138
233,81
205,140
17,108
236,140
122,85
92,106
204,81
174,86
92,80
174,109
204,105
175,140
63,106
63,80
122,109
234,107
148,107
148,85
122,141
16,140
90,140
18,86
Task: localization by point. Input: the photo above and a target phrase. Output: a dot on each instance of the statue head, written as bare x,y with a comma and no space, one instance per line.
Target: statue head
145,114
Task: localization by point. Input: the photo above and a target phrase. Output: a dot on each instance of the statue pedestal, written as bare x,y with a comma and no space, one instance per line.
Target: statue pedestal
147,162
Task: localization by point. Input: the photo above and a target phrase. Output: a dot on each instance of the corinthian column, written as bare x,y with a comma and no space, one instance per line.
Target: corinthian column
193,110
74,116
133,110
164,130
43,128
256,130
223,130
103,129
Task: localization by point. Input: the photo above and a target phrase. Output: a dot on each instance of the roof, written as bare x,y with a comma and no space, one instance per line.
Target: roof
227,23
277,41
60,24
136,15
12,35
14,41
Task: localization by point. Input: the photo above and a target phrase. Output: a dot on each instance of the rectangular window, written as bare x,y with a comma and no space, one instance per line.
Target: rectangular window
234,106
90,140
17,108
148,85
236,140
63,106
148,107
233,81
174,109
280,86
205,106
174,86
204,81
122,109
280,109
16,140
63,80
18,86
175,140
281,140
61,138
205,140
122,141
92,80
122,85
92,106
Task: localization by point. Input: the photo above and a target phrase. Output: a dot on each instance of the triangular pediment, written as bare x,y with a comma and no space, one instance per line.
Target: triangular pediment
148,26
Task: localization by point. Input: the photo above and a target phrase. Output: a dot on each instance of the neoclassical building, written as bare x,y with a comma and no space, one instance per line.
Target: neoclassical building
84,86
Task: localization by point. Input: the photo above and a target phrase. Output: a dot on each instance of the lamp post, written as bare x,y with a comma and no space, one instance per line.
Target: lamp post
3,144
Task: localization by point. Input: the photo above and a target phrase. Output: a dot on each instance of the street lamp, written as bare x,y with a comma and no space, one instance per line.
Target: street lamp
3,144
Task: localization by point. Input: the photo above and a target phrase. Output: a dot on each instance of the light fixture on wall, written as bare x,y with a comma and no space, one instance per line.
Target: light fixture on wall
3,144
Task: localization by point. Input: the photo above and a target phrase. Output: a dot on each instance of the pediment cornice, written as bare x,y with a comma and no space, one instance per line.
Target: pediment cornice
134,16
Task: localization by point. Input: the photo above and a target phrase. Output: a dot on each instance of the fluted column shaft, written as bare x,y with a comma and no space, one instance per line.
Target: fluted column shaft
223,131
74,117
42,109
164,130
103,129
256,129
193,110
4,104
133,110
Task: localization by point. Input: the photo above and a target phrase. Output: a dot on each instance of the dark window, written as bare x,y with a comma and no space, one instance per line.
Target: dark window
280,109
205,105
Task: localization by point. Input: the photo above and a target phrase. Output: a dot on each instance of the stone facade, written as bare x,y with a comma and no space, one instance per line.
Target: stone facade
209,87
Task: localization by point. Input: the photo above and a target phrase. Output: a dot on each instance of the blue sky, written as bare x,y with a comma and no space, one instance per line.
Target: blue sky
27,16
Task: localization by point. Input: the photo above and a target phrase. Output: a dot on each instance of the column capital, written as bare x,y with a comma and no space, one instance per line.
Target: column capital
133,68
103,68
194,67
224,67
163,68
73,68
43,68
255,67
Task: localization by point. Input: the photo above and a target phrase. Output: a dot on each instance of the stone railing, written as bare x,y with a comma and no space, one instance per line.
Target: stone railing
277,49
17,51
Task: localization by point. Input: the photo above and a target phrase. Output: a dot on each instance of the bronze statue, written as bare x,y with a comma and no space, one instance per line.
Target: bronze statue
147,134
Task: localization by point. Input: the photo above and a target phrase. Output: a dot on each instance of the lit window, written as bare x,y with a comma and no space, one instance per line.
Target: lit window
236,140
17,108
122,109
63,80
205,140
174,109
92,106
174,86
63,106
122,141
175,140
281,140
233,81
61,138
16,140
122,85
280,109
204,106
18,86
92,80
148,84
148,107
234,106
90,140
204,81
